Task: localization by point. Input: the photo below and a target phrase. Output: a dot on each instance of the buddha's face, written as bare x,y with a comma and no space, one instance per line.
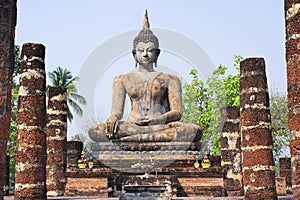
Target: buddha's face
145,53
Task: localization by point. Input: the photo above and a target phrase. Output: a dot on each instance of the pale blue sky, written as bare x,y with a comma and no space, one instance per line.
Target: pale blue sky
72,29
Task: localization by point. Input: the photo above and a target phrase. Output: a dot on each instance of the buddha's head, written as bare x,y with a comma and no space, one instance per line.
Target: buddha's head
146,41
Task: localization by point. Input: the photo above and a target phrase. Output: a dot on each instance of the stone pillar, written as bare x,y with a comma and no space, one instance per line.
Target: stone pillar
286,172
231,150
256,145
31,123
56,141
74,149
292,43
8,12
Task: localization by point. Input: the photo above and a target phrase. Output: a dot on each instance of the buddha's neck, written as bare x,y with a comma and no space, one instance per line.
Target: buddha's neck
146,68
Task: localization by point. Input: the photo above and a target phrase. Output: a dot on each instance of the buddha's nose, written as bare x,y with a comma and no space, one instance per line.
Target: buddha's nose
145,54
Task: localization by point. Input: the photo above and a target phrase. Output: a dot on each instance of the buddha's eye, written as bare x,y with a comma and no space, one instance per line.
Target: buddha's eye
150,50
140,50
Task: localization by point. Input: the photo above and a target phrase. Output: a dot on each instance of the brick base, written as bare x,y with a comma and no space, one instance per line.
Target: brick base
203,186
86,187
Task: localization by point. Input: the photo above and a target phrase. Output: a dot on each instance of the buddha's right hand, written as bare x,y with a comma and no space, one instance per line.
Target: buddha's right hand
111,126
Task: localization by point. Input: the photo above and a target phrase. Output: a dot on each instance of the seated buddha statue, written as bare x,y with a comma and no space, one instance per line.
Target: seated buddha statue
156,105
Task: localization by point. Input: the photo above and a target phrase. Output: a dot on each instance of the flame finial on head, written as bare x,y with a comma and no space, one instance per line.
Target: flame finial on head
146,35
146,23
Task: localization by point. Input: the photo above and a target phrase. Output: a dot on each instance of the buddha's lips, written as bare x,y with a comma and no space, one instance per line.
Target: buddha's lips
146,59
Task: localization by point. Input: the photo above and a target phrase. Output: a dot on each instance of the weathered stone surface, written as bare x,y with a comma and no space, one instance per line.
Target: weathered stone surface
292,70
86,186
203,186
252,117
231,150
250,138
210,181
292,24
281,186
56,141
8,16
6,177
286,172
74,149
256,145
156,186
156,102
31,141
252,158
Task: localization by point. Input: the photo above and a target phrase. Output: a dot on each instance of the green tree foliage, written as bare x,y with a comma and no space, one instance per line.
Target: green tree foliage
279,120
11,145
17,61
202,102
63,77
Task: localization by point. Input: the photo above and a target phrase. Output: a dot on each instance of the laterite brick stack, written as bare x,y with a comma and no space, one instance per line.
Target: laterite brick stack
74,149
56,141
292,43
256,144
231,150
286,172
8,15
31,138
6,177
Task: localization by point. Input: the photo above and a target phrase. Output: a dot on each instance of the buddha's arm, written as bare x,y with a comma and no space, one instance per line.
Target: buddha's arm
118,98
174,96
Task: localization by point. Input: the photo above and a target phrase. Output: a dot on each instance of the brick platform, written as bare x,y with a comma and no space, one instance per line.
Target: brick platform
190,181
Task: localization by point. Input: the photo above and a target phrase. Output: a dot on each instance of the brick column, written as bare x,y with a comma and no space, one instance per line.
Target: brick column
256,145
74,149
8,12
286,172
231,150
6,177
56,141
31,137
292,43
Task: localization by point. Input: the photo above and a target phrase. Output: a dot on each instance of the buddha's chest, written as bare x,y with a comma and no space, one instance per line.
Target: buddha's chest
138,87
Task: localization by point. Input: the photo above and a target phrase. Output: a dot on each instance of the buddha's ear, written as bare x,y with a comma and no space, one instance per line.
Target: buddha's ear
157,52
134,53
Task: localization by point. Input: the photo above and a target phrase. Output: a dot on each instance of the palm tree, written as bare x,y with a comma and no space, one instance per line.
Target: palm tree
63,77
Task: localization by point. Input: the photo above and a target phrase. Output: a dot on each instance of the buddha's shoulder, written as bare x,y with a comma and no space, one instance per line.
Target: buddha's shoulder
132,75
124,77
169,76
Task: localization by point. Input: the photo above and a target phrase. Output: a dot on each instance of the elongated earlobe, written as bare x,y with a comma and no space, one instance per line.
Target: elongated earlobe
157,52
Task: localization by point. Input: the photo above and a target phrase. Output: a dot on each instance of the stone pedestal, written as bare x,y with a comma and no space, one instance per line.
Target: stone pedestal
108,182
143,157
149,187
